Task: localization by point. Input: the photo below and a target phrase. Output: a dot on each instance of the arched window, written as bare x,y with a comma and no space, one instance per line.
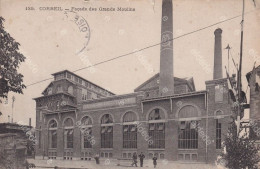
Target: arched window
52,133
106,119
188,111
86,121
129,117
107,131
68,133
59,88
70,90
219,113
129,130
188,129
86,132
156,114
157,128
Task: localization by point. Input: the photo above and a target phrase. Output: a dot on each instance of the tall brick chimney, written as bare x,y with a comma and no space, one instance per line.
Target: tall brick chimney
217,74
166,84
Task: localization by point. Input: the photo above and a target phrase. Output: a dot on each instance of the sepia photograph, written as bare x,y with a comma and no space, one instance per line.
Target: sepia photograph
115,84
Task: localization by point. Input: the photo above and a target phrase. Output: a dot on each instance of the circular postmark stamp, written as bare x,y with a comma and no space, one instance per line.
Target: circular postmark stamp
82,25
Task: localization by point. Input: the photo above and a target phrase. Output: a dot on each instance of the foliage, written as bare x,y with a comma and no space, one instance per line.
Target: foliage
10,59
241,150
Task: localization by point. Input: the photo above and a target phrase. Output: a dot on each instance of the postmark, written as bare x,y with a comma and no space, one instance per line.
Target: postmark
82,25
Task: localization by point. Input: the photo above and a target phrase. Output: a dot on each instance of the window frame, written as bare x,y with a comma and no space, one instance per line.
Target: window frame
51,130
67,129
218,134
107,135
188,137
156,135
86,127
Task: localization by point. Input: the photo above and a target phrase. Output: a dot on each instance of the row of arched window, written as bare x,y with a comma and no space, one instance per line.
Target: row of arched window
156,131
187,130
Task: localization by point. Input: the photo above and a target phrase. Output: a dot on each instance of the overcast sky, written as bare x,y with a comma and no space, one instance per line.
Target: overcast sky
50,42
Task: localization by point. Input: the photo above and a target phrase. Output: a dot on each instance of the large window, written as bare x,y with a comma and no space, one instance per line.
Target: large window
218,134
59,88
84,94
68,133
157,129
86,132
70,90
107,131
129,130
188,135
52,134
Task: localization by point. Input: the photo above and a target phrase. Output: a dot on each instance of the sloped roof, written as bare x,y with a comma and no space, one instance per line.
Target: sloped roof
63,71
188,80
51,83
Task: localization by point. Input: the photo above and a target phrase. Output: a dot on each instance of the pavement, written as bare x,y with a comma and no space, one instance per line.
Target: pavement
113,164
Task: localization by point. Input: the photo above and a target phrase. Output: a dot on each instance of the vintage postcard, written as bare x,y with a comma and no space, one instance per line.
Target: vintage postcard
129,83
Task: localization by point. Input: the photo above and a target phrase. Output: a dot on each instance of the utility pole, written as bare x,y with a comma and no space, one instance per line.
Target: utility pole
239,81
13,99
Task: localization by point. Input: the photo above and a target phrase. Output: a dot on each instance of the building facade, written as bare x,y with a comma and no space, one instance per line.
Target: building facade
253,78
164,117
72,123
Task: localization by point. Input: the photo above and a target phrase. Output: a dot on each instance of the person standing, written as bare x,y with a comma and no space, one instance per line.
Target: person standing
134,159
155,161
97,158
141,157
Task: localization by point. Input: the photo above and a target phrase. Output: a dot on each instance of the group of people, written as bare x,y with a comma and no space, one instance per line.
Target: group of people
141,157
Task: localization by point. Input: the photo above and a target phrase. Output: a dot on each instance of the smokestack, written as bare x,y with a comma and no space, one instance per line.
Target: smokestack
8,119
166,84
30,122
217,74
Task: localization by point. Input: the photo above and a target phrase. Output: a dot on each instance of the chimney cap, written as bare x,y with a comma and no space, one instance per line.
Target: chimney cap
218,31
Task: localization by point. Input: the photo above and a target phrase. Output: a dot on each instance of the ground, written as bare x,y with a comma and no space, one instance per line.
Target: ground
113,164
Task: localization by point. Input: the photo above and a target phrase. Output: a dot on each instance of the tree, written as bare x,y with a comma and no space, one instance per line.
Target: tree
10,59
241,150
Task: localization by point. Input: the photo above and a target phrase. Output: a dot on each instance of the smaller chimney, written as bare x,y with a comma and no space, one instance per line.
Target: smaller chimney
8,119
217,74
30,122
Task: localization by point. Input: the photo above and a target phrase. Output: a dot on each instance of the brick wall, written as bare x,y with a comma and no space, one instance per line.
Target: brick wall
171,107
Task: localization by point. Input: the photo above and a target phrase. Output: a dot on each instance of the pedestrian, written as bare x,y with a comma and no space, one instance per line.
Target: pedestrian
97,158
155,161
134,159
141,157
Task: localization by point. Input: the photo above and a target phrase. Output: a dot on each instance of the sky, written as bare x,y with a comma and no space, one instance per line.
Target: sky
50,42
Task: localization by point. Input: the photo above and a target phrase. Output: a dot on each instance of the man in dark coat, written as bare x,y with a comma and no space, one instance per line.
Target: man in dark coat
134,159
155,161
141,157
